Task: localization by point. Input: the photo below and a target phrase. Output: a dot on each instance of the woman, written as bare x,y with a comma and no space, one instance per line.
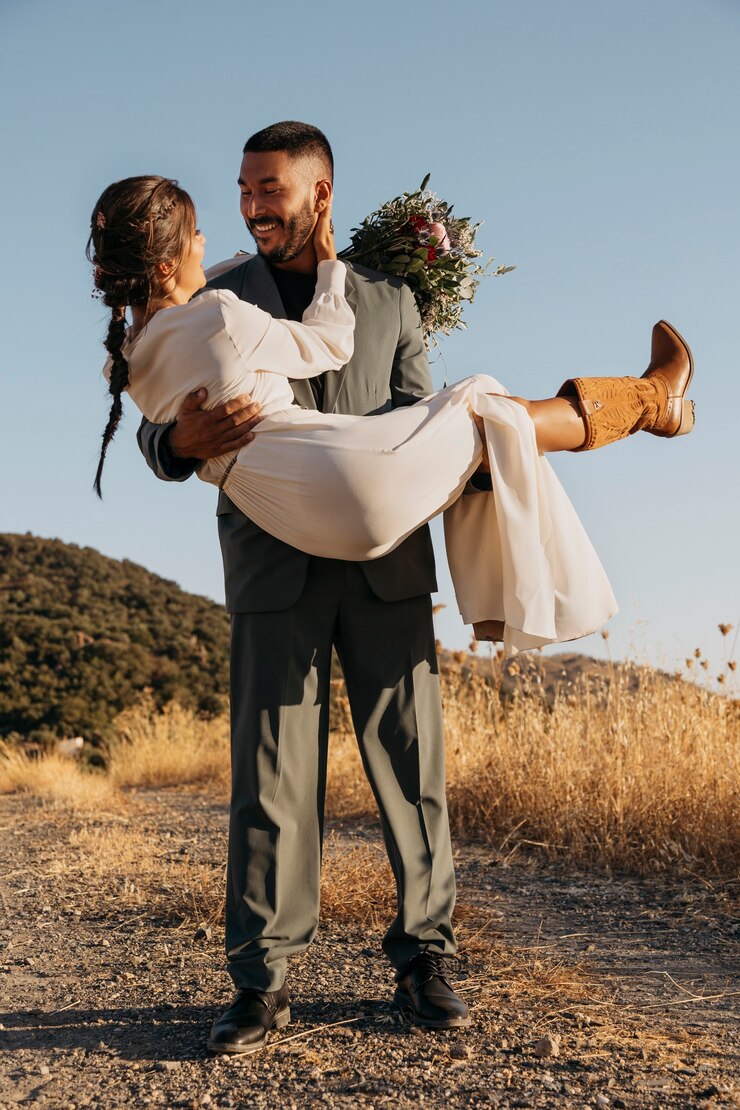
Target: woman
351,487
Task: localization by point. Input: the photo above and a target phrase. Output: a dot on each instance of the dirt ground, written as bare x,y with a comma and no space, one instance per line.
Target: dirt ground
107,1003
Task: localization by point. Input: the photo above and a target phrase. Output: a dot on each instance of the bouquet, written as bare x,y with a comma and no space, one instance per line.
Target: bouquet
416,237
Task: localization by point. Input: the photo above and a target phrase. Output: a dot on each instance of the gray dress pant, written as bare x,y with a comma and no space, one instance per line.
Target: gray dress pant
280,673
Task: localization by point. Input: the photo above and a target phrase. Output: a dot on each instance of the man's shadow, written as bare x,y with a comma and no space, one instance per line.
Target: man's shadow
153,1033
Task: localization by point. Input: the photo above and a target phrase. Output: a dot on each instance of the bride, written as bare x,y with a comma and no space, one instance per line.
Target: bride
354,487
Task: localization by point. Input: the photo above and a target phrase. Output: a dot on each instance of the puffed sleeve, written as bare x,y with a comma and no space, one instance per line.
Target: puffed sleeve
323,340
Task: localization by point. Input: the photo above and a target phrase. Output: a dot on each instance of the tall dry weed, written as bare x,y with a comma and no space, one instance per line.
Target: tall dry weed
642,775
168,747
52,778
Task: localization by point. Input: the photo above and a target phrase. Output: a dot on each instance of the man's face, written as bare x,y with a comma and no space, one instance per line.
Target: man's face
278,195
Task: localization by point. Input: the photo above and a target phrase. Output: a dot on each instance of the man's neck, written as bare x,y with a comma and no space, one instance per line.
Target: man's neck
303,263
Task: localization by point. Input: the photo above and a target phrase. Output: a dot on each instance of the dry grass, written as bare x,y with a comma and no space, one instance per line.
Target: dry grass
53,779
640,779
136,870
168,748
643,775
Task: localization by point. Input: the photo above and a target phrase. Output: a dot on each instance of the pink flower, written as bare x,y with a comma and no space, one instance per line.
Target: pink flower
439,231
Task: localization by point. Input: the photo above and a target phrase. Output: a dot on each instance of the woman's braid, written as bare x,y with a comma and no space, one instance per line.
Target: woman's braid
136,225
117,383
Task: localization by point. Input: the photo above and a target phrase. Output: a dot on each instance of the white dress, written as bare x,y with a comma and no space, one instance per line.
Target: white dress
353,487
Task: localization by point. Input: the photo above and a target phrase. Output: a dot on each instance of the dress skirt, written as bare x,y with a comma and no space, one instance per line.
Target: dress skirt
354,487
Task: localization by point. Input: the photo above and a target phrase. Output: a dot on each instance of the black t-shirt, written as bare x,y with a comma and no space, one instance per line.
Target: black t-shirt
296,292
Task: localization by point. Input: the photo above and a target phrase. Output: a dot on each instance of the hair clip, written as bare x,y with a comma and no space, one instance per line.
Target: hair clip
100,220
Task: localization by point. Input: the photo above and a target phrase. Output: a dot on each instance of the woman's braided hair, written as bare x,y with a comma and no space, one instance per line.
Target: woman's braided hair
136,225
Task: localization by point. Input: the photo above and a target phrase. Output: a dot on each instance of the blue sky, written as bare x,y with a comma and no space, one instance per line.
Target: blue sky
598,143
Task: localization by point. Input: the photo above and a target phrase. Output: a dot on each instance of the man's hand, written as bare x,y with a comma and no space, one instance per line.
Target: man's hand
203,434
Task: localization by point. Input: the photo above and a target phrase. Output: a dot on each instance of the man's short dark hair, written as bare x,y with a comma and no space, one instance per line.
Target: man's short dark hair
296,139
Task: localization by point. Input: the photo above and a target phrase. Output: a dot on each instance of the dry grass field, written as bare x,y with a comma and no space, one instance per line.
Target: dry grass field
641,774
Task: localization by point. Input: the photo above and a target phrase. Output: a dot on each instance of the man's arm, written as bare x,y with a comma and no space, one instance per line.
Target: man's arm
174,450
410,376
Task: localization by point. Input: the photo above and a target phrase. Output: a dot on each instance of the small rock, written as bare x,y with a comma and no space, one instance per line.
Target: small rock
44,1069
548,1046
206,1099
709,1092
459,1051
203,933
105,943
619,1104
168,1065
601,1101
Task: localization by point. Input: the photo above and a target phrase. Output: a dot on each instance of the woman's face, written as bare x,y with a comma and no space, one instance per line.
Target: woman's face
190,275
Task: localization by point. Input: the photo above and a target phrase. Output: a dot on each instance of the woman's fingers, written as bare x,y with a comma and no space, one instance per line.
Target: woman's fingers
323,236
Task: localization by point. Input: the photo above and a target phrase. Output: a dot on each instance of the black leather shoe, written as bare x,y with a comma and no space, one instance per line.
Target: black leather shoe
424,995
248,1020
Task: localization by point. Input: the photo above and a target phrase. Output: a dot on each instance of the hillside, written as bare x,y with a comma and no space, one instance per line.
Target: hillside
81,635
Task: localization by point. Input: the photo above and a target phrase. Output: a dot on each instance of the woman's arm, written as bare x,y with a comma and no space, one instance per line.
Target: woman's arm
323,340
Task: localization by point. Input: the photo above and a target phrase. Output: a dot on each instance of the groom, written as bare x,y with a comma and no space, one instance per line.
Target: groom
289,609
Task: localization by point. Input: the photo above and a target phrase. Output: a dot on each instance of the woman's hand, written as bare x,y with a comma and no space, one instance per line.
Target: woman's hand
323,236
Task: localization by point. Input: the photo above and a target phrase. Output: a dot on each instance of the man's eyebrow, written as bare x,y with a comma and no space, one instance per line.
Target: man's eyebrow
262,181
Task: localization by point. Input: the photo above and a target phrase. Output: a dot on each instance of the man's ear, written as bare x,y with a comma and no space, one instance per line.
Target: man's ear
323,195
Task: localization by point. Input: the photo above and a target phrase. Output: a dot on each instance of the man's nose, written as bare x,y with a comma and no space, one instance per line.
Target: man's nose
254,207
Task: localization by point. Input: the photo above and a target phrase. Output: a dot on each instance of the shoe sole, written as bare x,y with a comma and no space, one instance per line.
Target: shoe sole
281,1019
406,1006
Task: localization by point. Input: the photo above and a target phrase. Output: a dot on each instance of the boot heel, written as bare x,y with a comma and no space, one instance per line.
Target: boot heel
282,1019
687,418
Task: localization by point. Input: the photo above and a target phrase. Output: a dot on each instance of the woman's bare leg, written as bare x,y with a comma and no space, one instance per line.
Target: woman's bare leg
591,412
557,423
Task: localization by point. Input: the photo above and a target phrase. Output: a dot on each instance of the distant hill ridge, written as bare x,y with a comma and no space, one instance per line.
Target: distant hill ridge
81,636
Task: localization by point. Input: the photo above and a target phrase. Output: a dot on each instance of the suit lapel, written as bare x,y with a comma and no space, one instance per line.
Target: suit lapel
334,380
259,288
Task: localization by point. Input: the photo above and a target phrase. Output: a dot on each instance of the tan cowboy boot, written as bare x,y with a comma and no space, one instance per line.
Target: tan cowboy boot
613,408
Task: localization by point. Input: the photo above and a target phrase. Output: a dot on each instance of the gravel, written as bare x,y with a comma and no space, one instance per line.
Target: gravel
584,991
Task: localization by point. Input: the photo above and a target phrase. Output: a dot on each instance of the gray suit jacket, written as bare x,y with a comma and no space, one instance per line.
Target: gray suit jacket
389,368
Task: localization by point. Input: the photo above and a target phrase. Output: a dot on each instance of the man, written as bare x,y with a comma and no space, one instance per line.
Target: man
289,609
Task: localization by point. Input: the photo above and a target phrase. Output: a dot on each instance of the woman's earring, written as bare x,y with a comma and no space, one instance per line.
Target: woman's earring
331,228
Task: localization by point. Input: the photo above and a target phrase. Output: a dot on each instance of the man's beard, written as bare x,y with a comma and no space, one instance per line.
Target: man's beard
298,230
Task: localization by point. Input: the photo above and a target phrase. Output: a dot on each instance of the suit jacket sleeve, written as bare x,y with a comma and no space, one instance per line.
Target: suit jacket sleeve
154,444
410,377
